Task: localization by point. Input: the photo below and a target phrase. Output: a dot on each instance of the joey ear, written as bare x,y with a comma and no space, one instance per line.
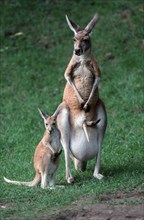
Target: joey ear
92,24
42,114
74,27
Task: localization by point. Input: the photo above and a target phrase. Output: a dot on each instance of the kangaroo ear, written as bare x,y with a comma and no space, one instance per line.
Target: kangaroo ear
55,114
42,114
74,27
92,24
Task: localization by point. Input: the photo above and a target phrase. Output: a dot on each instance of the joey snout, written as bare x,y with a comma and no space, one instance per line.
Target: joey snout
50,130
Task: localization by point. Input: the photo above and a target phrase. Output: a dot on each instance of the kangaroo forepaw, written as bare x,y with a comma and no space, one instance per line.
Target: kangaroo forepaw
86,108
82,105
91,123
98,176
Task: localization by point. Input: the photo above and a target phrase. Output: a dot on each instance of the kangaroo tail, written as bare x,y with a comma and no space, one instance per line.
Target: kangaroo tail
85,131
31,183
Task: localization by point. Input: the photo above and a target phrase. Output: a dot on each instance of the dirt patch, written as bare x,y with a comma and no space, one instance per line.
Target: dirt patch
122,198
102,212
106,207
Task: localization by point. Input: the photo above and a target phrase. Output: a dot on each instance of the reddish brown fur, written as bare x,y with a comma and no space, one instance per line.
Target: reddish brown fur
46,156
82,106
83,83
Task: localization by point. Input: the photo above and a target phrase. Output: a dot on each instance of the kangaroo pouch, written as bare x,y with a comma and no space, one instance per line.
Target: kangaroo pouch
80,148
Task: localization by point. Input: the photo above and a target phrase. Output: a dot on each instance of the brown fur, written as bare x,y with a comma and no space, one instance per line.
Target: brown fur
82,112
83,78
46,156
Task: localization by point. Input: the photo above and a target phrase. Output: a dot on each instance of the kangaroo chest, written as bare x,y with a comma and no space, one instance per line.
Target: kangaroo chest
55,141
83,74
83,79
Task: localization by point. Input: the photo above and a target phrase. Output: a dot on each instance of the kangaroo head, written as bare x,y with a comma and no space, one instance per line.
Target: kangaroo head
82,41
49,122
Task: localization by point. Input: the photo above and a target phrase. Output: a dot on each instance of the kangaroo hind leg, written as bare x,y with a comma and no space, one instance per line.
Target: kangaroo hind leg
43,180
63,121
101,127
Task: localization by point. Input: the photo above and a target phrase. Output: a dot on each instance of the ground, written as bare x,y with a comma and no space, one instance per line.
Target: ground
111,207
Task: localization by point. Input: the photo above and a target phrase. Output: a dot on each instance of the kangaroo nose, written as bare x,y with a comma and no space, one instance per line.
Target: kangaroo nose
50,130
77,52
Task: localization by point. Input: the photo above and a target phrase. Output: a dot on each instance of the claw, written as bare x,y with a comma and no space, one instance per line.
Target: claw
82,105
86,108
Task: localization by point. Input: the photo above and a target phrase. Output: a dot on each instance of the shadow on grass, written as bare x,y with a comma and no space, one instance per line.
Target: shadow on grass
134,167
129,170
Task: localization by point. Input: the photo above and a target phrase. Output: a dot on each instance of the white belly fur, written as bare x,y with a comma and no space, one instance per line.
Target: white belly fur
80,147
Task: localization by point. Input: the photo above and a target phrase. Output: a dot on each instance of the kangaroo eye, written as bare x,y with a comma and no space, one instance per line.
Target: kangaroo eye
85,40
46,124
74,39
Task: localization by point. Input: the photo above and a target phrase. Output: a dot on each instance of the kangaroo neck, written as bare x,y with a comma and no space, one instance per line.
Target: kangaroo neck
47,137
84,57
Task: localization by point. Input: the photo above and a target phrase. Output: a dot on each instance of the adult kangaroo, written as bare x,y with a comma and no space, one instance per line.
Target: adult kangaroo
82,116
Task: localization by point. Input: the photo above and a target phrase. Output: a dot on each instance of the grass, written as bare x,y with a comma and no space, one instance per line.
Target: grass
32,75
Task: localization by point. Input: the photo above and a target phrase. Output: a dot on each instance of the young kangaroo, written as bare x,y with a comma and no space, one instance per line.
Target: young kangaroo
46,156
82,117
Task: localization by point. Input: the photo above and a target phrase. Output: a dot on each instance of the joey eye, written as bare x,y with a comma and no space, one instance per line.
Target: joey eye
46,124
74,39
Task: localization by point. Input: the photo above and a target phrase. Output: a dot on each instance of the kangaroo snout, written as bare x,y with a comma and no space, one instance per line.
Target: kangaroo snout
78,52
50,130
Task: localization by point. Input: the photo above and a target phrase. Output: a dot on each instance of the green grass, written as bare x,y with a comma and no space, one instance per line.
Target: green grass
32,76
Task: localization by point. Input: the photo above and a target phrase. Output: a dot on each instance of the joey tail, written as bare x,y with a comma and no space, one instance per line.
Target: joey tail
34,182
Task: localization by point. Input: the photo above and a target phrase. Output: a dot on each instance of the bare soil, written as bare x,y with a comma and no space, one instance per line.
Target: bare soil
104,207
